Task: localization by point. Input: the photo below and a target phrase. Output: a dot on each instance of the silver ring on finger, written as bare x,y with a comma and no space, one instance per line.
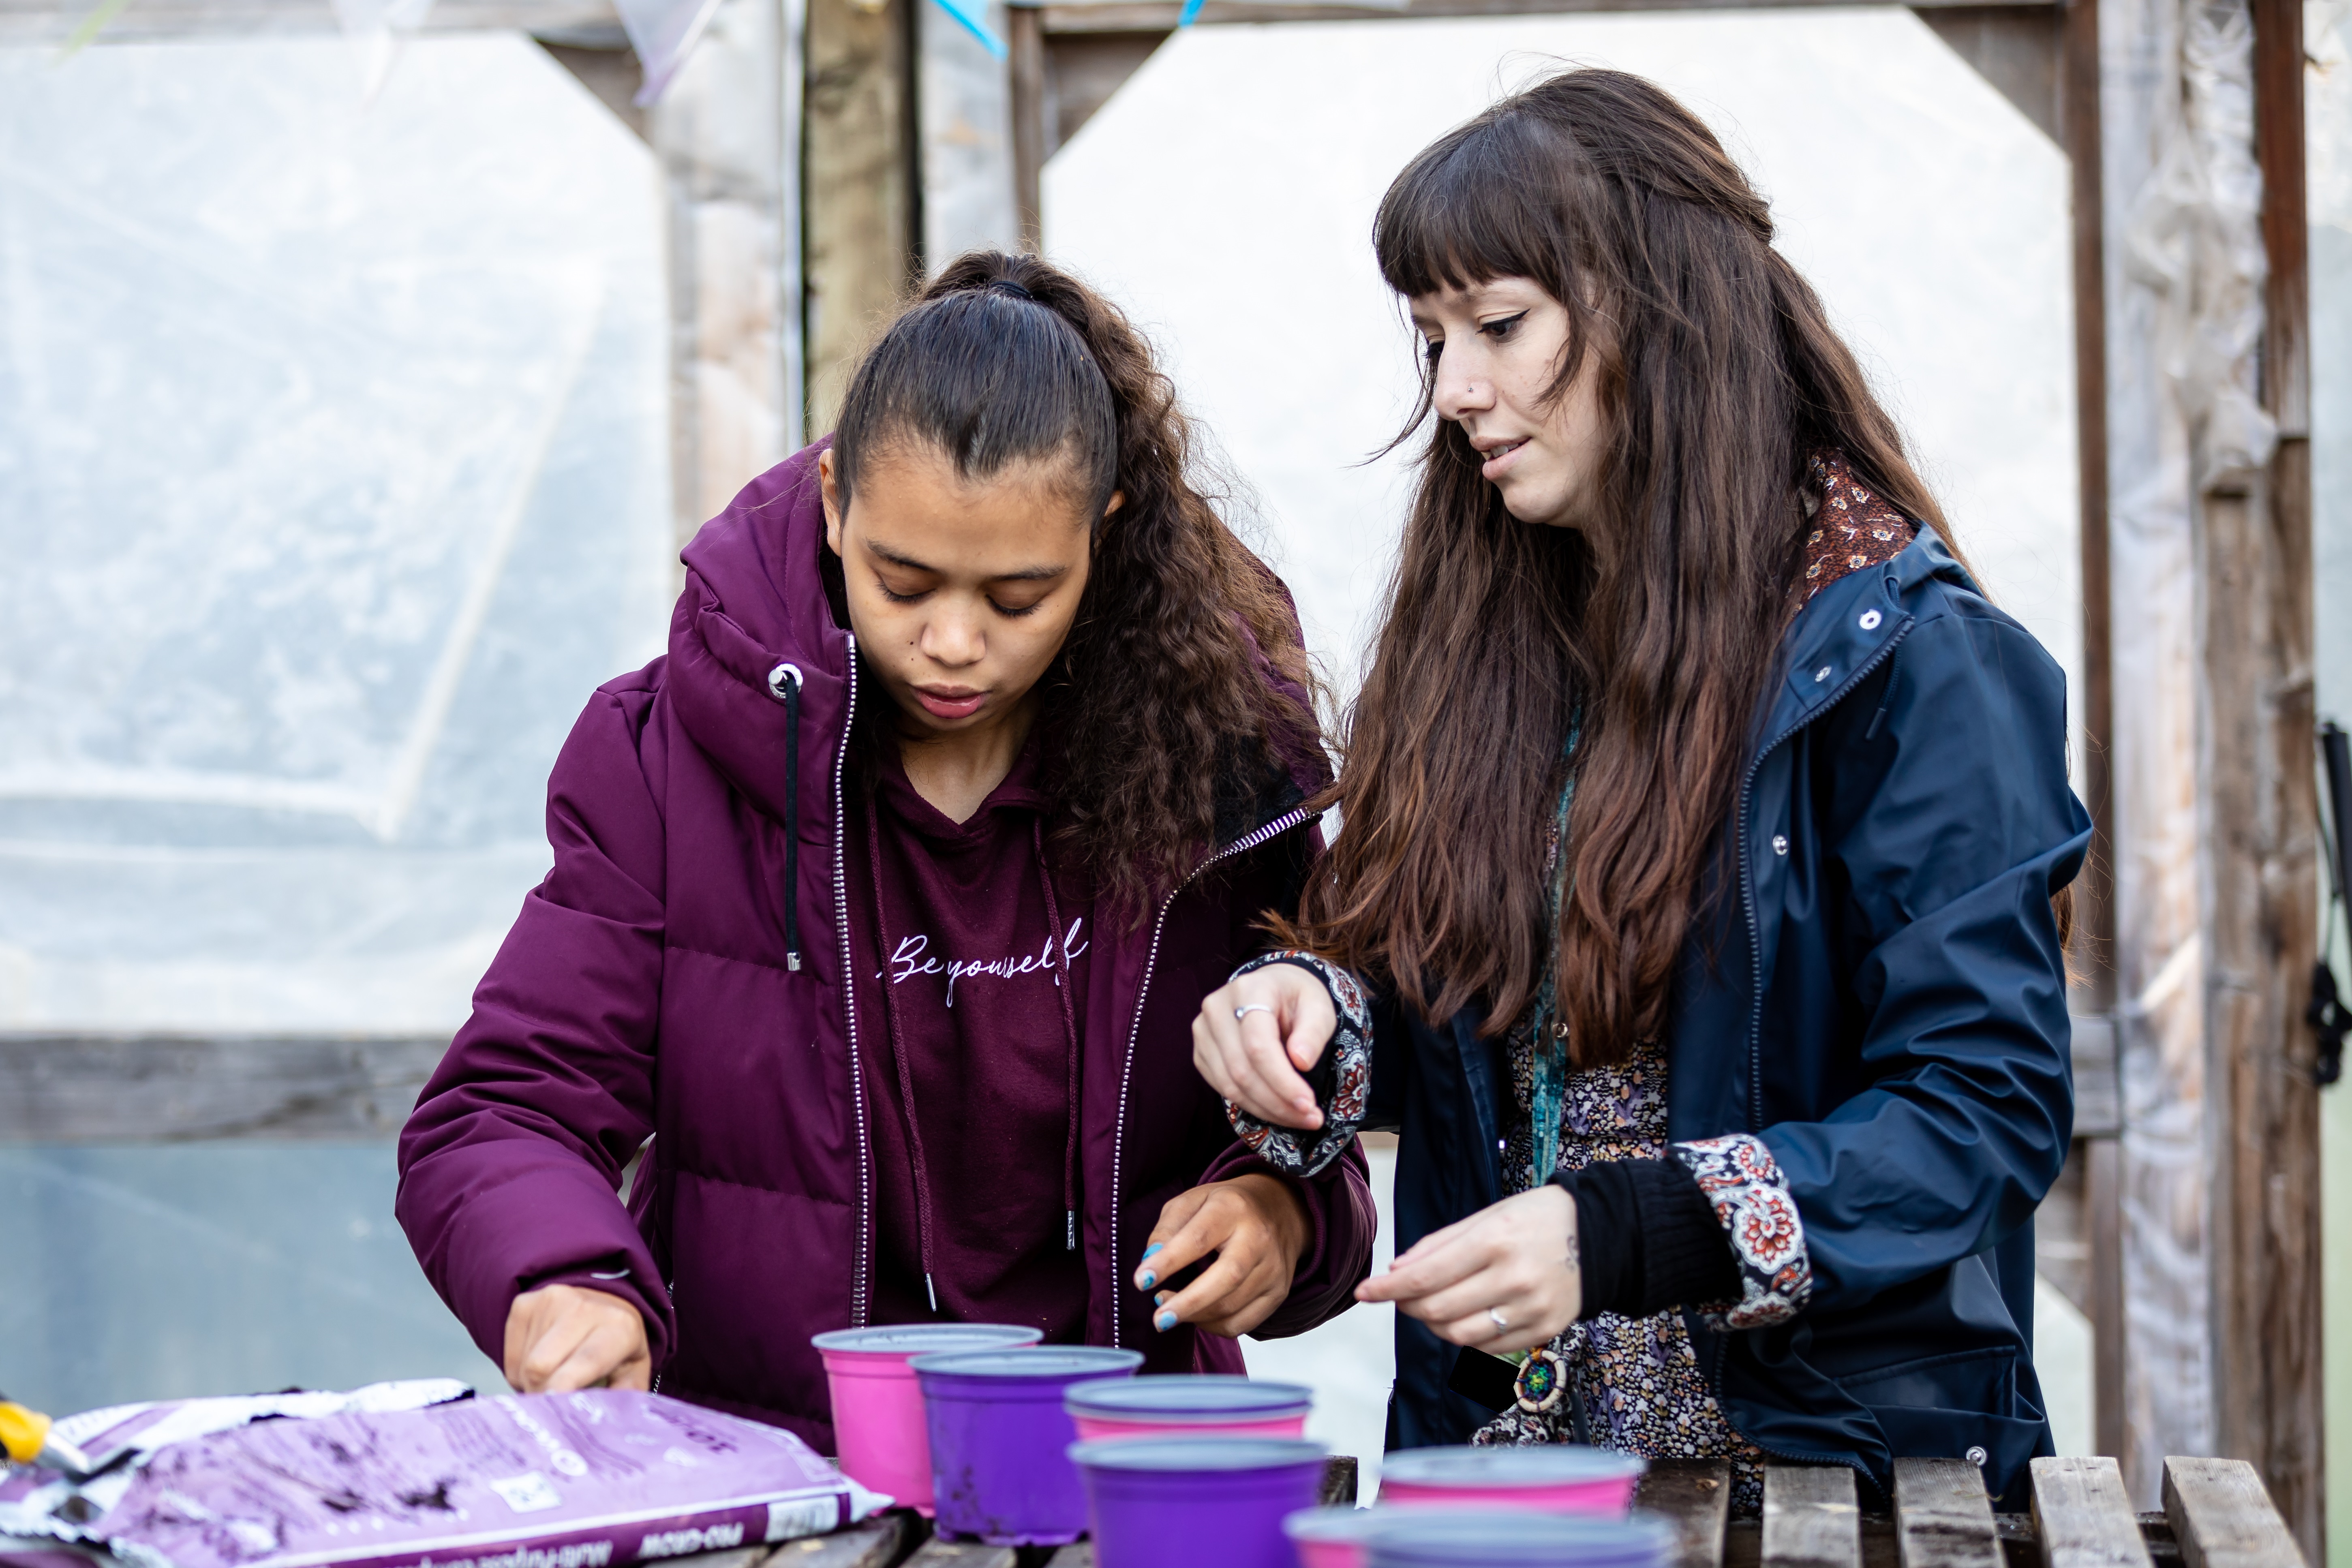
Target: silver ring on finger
1501,1323
1244,1012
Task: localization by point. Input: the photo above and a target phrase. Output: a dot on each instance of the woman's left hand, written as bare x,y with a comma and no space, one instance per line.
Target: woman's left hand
1504,1279
1255,1226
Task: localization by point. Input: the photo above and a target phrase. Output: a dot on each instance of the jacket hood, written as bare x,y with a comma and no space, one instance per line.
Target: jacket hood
755,613
753,618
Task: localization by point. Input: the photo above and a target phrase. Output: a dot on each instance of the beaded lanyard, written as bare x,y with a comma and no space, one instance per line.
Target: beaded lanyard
1549,1070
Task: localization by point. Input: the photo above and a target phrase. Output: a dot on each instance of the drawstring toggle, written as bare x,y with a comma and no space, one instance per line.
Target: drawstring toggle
784,686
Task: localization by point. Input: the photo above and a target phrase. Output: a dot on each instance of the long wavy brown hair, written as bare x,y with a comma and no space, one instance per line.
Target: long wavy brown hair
1718,376
1161,727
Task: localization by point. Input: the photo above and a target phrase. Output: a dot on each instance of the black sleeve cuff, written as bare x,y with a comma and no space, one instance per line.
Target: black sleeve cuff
1647,1239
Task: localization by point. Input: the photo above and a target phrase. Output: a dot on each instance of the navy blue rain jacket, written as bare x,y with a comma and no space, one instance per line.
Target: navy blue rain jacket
1878,992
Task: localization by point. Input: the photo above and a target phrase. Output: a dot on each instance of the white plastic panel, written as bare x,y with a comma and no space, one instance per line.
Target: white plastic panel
333,476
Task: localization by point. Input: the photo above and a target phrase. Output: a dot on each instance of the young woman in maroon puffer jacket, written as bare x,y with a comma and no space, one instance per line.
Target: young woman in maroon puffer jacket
883,904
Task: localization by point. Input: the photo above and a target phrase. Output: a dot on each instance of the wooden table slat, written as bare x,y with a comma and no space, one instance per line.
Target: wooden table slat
877,1543
2222,1516
1811,1518
1695,1496
1942,1517
939,1554
737,1557
2084,1516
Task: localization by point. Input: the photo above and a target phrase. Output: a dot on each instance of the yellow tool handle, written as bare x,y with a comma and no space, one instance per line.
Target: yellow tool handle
22,1433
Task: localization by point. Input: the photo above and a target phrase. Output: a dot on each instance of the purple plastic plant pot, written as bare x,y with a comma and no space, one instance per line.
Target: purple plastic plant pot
1000,1470
1541,1478
1189,1404
877,1406
1433,1538
1176,1502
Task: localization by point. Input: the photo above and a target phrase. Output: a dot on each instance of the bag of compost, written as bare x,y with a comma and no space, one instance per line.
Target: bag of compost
592,1480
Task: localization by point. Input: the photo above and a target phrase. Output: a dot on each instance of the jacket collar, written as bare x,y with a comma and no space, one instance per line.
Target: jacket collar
1847,627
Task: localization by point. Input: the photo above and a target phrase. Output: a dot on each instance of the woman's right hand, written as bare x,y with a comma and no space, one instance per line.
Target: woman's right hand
563,1337
1255,1060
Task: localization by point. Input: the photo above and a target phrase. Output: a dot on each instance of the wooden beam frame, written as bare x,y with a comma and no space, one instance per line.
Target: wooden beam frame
861,216
35,22
1159,15
2263,804
173,1089
2095,916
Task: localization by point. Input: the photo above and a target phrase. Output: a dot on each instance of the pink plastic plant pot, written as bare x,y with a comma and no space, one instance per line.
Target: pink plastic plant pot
1549,1478
1510,1538
1187,1405
877,1406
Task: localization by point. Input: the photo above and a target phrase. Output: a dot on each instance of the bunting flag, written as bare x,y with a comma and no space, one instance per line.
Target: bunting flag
973,14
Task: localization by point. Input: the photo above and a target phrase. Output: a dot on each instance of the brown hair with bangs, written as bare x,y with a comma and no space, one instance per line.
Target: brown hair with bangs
1718,377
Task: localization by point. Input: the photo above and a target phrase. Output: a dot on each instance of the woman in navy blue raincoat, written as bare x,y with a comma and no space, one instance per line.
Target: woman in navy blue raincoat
1699,914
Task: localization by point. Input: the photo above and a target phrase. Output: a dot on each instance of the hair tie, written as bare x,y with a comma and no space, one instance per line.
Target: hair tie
1006,286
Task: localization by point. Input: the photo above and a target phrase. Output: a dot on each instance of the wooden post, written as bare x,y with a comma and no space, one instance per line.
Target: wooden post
1026,24
2094,953
861,222
2257,669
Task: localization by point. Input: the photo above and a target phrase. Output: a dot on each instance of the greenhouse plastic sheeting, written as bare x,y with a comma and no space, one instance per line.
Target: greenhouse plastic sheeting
333,476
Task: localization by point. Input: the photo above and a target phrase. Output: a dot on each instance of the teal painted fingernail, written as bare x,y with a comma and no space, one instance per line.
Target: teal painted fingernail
1149,1279
1153,1248
1164,1322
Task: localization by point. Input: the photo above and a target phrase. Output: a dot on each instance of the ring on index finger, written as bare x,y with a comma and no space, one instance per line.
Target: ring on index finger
1244,1012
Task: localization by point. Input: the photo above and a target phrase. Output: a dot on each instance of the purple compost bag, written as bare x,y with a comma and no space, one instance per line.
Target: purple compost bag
589,1480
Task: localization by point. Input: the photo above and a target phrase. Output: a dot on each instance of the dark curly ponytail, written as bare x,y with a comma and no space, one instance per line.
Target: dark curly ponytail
1159,717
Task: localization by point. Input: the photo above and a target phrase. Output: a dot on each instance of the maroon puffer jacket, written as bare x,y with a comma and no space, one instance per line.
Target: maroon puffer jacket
679,972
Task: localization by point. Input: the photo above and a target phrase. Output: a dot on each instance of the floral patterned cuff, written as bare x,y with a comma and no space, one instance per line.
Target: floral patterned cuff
1296,1151
1751,1199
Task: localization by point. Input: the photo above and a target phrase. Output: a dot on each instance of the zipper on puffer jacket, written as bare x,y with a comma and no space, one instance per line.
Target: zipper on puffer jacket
1279,826
785,685
1722,1342
861,1281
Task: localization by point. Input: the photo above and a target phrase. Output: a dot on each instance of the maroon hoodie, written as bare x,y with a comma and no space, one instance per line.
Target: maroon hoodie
685,972
959,940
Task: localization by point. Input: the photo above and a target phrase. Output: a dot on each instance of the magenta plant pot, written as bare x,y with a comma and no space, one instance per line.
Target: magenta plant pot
1544,1478
877,1406
1509,1538
1178,1502
1338,1537
1000,1470
1189,1404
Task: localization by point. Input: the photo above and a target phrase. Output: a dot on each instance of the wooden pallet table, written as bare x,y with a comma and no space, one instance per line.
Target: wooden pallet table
2216,1515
